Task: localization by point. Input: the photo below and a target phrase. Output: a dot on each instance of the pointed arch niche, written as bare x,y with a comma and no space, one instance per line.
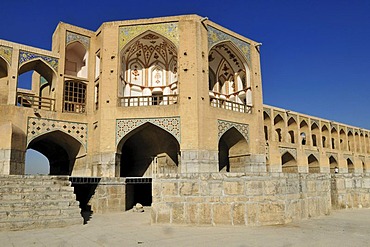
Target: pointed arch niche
148,71
229,78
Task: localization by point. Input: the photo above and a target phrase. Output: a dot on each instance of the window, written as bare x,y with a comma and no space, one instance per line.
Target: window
74,96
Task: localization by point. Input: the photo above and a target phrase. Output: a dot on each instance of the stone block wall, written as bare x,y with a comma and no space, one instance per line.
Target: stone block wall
109,196
350,191
239,198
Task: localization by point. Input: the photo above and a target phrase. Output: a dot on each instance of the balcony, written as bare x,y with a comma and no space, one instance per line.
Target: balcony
230,105
28,99
148,100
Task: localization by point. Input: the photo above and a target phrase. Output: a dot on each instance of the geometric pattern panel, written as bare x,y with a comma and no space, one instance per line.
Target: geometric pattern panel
39,126
224,126
292,151
216,36
125,126
168,30
6,53
25,56
71,37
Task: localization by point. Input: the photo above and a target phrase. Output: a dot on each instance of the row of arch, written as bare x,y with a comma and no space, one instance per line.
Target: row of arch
290,165
302,131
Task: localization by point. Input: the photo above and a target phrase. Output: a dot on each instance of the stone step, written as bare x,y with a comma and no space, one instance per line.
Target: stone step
39,214
31,189
38,196
9,206
45,223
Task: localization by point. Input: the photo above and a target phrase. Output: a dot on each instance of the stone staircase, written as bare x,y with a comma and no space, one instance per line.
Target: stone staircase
37,201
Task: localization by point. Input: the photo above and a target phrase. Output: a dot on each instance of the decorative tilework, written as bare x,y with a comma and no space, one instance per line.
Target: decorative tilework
334,126
292,116
347,156
25,56
71,37
278,113
39,126
314,153
349,129
216,36
125,126
292,151
6,53
168,30
224,126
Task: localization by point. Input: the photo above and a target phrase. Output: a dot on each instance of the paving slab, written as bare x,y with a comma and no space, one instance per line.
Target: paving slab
349,227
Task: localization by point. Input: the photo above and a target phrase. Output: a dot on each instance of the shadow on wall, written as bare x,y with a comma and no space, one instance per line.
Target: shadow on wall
84,190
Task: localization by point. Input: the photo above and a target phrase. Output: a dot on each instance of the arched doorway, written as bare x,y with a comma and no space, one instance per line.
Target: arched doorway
333,164
60,149
289,164
233,152
3,81
146,150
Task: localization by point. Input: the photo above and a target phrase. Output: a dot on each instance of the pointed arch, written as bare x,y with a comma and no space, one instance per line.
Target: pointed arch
76,60
233,151
42,68
61,149
4,68
289,163
313,164
333,164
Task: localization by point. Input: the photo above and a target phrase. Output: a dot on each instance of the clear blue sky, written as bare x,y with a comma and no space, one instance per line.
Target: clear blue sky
315,56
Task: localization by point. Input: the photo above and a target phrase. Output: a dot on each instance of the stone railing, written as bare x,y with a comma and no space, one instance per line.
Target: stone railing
230,105
148,100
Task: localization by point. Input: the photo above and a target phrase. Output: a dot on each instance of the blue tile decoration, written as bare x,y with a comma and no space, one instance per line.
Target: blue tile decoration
167,30
224,126
125,126
216,36
6,53
39,126
25,56
71,37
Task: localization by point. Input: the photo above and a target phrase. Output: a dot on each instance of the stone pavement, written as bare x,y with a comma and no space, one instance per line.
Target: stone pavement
342,228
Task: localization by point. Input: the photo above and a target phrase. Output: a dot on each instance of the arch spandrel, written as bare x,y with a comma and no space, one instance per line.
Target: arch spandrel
6,53
73,37
169,124
291,151
224,126
167,30
26,56
216,36
40,126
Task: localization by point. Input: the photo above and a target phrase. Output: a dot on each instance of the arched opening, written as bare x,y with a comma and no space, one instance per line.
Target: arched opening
36,163
61,150
148,71
304,131
325,137
3,81
146,150
292,129
279,127
233,152
334,138
357,143
351,142
267,126
289,164
35,85
229,85
313,164
76,60
350,166
333,164
315,133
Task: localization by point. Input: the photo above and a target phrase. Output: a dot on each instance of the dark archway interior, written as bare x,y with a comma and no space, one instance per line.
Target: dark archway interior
3,68
232,144
143,145
60,149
